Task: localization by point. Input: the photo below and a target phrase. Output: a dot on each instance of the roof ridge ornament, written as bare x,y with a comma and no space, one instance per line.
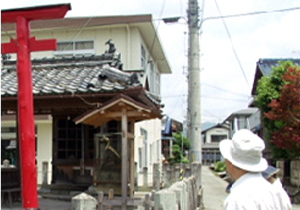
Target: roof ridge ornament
112,54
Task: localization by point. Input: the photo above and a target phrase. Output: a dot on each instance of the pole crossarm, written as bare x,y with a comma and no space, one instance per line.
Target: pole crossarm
35,13
34,45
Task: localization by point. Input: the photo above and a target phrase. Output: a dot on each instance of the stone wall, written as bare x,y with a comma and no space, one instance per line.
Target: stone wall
295,173
172,173
291,181
185,194
280,166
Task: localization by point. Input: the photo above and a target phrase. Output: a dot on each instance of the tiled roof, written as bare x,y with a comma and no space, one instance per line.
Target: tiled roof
93,74
219,125
264,67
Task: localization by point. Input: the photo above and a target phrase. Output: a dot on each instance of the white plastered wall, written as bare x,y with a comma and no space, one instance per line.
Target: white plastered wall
153,128
44,150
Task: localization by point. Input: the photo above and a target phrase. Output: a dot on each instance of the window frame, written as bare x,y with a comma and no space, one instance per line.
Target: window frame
75,51
143,57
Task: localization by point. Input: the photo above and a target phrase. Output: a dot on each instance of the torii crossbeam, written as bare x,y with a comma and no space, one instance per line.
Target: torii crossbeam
23,45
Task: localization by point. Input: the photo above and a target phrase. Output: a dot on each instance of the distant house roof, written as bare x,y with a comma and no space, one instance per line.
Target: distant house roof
219,125
243,112
170,125
264,67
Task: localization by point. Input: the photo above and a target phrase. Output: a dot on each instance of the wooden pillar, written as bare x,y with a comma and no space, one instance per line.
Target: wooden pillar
82,151
124,158
96,160
132,161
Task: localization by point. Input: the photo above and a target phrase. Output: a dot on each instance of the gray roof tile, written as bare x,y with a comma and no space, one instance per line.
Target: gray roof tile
265,65
71,75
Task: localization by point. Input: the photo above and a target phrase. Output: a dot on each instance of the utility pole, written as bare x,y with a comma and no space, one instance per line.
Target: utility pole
194,112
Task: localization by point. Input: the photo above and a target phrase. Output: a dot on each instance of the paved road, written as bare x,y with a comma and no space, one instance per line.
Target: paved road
44,204
213,190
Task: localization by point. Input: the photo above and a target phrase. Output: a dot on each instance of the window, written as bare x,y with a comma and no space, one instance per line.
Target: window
151,153
140,158
152,87
145,147
157,79
69,140
143,57
218,138
9,144
75,48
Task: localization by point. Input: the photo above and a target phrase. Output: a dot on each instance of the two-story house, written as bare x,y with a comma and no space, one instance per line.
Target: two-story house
211,138
240,120
79,72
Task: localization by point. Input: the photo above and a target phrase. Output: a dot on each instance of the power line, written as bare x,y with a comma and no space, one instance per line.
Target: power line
252,13
203,96
155,35
228,91
218,88
212,115
232,46
225,99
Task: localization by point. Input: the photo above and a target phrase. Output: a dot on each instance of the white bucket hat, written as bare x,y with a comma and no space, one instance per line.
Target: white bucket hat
245,151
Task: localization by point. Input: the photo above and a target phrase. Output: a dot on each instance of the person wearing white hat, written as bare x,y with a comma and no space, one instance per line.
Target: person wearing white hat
244,163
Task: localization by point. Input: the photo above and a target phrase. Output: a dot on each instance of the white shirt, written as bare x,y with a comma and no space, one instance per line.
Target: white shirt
252,192
284,199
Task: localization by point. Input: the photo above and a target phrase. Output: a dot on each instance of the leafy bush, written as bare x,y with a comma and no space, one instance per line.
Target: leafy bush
220,166
177,156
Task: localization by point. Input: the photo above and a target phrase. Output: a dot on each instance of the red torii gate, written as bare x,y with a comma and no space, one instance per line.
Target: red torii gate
23,45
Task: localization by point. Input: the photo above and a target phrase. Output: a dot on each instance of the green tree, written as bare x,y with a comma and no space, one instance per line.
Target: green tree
177,150
180,140
269,89
285,112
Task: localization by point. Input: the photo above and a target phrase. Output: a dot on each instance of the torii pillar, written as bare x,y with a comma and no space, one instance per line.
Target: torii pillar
23,45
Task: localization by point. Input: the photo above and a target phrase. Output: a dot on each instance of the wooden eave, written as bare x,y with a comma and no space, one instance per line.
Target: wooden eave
112,110
76,103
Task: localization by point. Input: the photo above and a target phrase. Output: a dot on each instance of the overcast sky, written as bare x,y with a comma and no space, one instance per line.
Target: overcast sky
226,79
